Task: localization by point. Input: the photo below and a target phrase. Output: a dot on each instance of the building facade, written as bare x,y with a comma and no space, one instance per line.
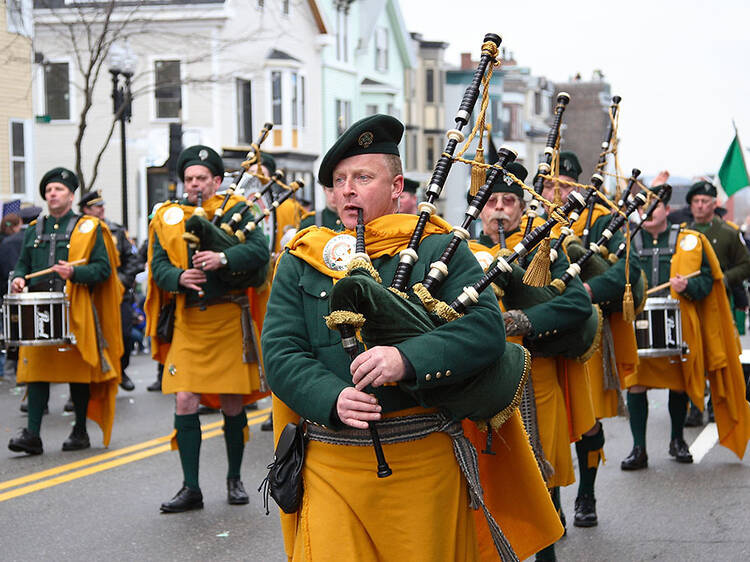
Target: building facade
219,68
16,114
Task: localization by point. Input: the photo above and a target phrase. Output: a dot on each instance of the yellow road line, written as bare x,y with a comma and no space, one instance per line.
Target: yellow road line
254,419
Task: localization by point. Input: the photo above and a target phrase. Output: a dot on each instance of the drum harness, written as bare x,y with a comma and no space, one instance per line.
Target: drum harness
55,282
655,253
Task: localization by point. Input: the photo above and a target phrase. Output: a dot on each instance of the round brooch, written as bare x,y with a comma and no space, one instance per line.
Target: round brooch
173,215
338,252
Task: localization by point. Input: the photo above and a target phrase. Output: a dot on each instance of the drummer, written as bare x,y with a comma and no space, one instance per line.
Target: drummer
661,246
89,279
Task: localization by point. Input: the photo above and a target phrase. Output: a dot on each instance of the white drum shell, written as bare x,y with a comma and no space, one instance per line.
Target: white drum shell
658,329
36,319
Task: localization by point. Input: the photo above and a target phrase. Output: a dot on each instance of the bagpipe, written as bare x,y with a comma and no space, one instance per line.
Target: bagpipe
390,315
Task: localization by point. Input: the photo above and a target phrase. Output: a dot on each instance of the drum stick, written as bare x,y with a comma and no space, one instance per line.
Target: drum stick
658,288
49,269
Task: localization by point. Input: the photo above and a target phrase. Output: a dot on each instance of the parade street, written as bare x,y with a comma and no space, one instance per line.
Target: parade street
104,503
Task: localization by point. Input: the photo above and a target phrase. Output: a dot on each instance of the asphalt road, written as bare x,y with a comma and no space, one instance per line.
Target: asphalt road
101,502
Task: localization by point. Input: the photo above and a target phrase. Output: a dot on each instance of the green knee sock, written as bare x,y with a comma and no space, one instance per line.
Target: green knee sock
638,408
79,394
588,450
677,409
234,437
38,396
189,443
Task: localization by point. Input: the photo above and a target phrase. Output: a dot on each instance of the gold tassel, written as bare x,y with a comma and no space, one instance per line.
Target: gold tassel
628,307
538,274
478,174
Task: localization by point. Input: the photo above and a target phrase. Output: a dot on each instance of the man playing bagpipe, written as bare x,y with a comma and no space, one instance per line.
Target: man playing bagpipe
684,260
546,322
607,289
203,287
422,510
81,259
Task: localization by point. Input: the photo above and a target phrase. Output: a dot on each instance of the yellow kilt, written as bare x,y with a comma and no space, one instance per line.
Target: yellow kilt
206,353
419,513
604,401
553,420
659,372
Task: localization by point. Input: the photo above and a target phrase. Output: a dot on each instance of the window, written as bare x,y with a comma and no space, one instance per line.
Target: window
342,33
259,4
496,114
18,17
392,111
537,103
411,151
343,116
371,109
245,112
57,90
285,7
167,89
19,157
276,96
429,85
302,102
381,49
295,101
430,151
506,123
441,89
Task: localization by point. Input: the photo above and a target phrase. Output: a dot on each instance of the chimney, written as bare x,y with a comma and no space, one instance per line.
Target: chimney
466,61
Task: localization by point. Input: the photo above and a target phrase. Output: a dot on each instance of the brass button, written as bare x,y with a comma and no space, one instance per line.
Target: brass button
428,377
56,226
448,373
323,294
438,375
554,331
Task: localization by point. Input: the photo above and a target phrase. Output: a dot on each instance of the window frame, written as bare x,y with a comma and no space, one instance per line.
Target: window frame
45,96
27,157
182,113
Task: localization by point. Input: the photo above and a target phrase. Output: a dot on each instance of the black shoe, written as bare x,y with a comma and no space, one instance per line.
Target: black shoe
710,408
694,417
76,441
585,511
236,494
636,460
251,407
154,386
25,408
202,410
186,499
126,383
26,442
680,451
69,407
268,424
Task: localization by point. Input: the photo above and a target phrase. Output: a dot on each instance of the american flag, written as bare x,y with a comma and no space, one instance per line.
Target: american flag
11,207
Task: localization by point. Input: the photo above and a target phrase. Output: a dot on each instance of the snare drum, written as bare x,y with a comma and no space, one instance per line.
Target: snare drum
658,329
36,319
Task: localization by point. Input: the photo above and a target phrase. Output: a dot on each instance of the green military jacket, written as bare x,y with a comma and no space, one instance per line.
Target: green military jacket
559,314
610,286
307,367
733,255
35,256
658,267
329,219
251,255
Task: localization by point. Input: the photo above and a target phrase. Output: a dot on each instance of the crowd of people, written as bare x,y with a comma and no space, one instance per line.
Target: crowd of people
231,317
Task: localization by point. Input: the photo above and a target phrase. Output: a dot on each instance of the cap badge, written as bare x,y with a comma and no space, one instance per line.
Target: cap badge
203,154
64,174
365,139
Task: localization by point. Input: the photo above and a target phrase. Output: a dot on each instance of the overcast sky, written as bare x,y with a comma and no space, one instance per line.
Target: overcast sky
681,67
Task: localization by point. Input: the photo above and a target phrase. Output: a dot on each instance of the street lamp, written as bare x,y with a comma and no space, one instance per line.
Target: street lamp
122,62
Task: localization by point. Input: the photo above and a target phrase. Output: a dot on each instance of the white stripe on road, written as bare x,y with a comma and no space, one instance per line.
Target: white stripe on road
704,442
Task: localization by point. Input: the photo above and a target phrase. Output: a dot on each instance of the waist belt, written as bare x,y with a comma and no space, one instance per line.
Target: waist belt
412,428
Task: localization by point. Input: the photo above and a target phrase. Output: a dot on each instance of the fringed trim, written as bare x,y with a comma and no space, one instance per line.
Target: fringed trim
191,238
434,305
399,293
499,293
497,421
604,252
559,285
504,252
361,263
597,338
338,317
538,274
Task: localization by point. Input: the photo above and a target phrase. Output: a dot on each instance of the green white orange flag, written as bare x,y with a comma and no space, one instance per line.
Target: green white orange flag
733,172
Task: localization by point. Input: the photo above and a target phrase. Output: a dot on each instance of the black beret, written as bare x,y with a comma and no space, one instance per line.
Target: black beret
655,190
269,162
410,186
376,134
202,156
91,199
700,188
569,165
506,184
59,175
